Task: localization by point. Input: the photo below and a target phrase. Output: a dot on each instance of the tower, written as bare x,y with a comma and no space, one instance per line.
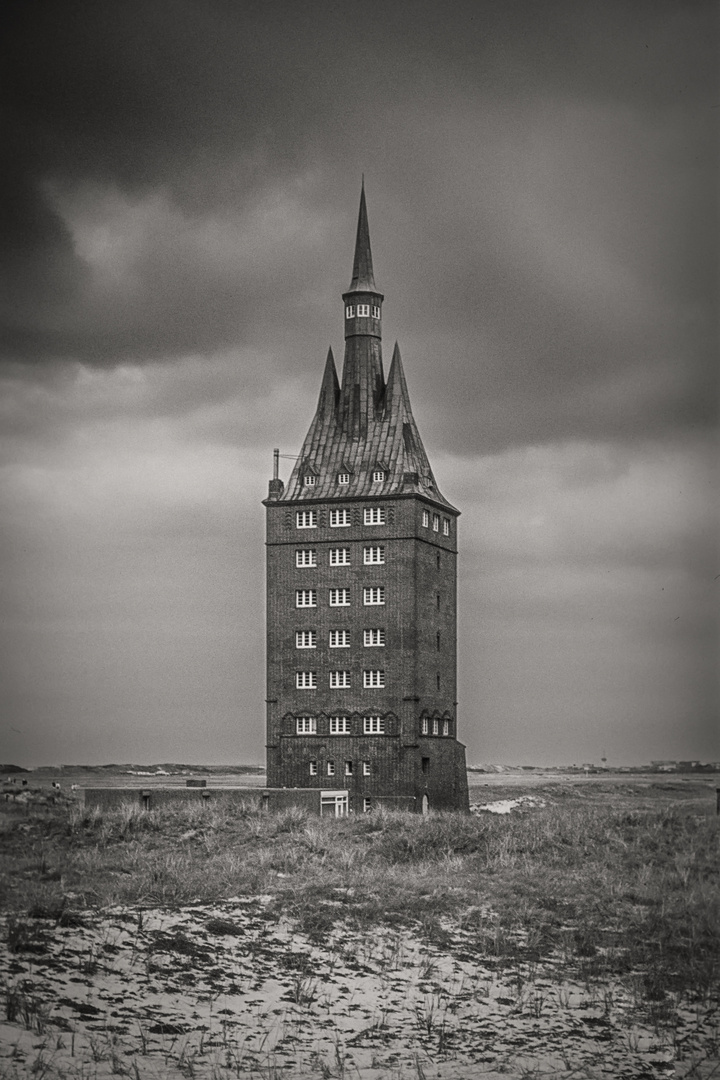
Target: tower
361,589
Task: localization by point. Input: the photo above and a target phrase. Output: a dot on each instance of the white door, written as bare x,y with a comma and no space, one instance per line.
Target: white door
333,803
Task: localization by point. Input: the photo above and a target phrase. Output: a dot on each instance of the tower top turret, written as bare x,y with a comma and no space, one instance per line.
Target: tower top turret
363,302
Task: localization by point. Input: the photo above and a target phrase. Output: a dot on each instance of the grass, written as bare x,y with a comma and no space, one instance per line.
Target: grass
621,882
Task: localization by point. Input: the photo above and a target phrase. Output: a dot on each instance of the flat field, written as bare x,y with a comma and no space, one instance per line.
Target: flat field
573,935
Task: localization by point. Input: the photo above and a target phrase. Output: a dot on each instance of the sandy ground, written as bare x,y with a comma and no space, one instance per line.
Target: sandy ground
224,991
228,991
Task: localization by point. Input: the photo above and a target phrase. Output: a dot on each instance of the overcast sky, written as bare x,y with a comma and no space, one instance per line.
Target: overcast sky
180,190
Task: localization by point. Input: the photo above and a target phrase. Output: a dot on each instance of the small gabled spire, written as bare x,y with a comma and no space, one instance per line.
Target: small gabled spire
362,275
396,391
329,388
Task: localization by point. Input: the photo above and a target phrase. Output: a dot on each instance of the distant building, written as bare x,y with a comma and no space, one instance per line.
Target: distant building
361,590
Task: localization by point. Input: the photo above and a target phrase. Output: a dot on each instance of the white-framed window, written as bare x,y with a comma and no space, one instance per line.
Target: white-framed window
446,527
378,476
373,639
376,311
309,480
348,768
339,556
372,555
425,519
339,598
306,725
373,725
436,522
339,680
313,768
349,311
339,725
425,725
306,557
339,639
306,519
305,639
373,678
306,680
343,478
363,311
446,727
374,515
436,727
374,594
339,518
366,768
306,598
367,805
331,768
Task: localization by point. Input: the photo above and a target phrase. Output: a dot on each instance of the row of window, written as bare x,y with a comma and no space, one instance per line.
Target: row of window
340,725
362,311
372,679
372,515
340,639
330,770
373,596
436,523
310,479
425,726
308,519
372,556
372,725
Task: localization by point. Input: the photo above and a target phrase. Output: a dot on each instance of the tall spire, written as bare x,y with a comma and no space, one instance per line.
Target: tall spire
366,425
362,276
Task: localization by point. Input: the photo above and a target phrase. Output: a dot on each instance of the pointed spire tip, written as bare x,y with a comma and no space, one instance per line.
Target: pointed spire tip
362,275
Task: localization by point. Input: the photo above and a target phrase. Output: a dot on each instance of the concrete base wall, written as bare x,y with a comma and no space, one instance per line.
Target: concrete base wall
155,797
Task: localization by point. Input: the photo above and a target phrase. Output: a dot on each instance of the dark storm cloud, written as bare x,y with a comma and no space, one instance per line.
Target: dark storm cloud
194,111
179,189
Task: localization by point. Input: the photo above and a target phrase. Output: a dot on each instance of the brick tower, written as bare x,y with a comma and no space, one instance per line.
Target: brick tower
361,591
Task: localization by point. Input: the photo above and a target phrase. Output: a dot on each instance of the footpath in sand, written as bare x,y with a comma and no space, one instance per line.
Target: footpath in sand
228,990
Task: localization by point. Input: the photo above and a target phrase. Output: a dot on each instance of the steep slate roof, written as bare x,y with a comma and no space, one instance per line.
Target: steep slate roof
367,423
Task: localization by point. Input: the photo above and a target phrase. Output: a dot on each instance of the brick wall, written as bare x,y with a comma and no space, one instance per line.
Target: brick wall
419,621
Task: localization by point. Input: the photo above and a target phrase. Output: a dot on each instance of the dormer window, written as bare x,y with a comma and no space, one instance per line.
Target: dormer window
378,476
309,480
349,311
343,478
363,310
376,312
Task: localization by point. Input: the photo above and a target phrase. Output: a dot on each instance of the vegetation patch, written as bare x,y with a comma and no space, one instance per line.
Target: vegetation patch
612,890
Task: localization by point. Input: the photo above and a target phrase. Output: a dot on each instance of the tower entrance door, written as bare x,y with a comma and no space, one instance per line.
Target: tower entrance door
333,803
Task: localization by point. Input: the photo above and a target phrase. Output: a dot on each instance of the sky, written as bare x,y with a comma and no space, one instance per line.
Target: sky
180,184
